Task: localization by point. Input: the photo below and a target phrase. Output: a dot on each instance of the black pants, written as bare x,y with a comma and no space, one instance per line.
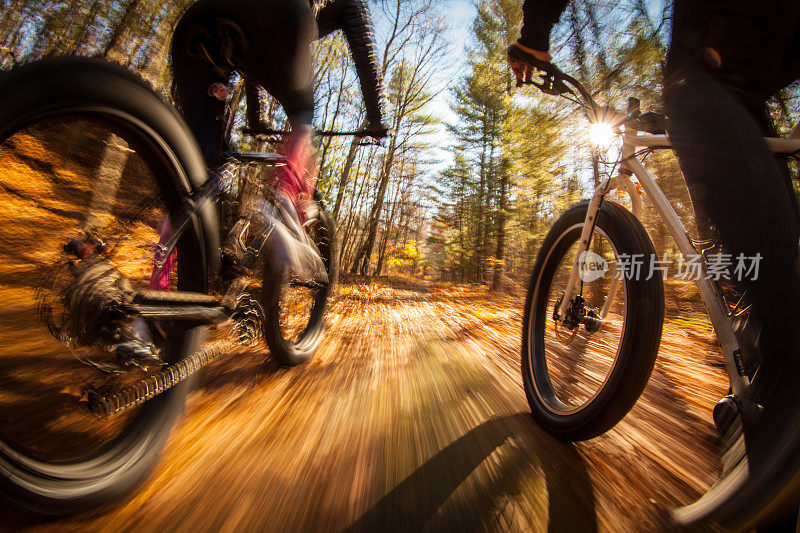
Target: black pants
274,53
727,58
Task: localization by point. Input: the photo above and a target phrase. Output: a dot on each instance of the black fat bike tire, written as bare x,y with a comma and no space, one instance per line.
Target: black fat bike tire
82,85
641,333
292,353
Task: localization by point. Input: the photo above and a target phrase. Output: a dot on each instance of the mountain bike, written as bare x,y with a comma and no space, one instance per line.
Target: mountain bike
593,316
110,238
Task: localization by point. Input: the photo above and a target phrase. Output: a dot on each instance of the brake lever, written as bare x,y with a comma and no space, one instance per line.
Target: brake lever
551,77
551,85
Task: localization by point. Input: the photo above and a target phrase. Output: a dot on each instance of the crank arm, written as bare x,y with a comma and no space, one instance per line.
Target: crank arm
150,297
167,305
193,313
313,285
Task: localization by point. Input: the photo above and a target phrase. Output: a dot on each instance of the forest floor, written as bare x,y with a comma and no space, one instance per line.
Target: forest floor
413,416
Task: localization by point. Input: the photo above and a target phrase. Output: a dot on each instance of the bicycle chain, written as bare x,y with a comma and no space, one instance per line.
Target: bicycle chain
152,386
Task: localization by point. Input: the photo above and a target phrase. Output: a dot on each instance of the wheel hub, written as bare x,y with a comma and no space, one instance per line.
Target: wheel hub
577,314
87,302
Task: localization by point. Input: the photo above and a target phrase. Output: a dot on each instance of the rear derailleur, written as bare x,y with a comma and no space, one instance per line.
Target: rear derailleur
86,302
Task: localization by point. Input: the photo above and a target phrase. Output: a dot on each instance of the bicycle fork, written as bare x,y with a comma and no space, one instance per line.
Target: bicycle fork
718,310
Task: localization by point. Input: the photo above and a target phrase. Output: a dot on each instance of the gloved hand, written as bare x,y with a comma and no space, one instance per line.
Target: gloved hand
523,71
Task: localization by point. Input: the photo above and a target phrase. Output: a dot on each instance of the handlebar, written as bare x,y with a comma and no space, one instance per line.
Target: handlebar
269,132
557,83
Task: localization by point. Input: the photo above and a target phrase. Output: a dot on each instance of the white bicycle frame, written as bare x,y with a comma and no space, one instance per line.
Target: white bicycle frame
716,306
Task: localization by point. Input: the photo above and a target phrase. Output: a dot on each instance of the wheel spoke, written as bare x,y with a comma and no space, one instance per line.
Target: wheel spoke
577,360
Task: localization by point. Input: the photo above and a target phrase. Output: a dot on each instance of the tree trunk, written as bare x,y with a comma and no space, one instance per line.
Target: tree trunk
356,204
501,232
345,177
485,238
386,234
82,34
477,260
361,263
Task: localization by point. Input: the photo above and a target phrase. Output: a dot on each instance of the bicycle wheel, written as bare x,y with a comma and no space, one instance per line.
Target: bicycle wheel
92,165
294,320
581,379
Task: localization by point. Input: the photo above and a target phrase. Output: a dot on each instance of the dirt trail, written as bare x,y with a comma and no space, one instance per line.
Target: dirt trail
413,417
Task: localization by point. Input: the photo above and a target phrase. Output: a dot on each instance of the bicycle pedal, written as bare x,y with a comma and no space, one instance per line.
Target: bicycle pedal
725,413
729,422
732,410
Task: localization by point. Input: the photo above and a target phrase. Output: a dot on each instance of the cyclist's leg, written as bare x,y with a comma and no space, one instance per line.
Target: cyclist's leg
751,45
760,111
275,54
278,58
723,155
272,49
736,179
709,97
194,75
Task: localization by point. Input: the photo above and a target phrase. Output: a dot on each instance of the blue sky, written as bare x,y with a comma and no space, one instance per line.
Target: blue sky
460,16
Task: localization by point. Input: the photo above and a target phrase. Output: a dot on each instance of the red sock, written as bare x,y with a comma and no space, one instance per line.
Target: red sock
294,180
161,278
